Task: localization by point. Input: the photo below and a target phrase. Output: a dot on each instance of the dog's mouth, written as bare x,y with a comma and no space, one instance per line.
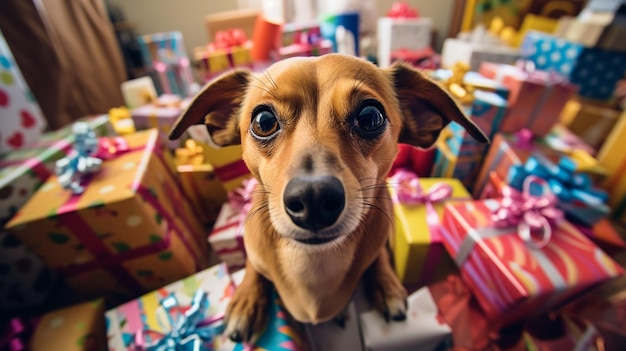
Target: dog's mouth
316,240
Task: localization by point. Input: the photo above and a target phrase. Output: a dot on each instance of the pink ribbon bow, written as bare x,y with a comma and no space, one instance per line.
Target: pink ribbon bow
531,214
109,148
410,192
229,38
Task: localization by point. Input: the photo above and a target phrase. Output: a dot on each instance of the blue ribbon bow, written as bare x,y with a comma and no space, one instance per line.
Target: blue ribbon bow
189,331
578,198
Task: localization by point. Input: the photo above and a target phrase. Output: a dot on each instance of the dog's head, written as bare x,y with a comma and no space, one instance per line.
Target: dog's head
320,135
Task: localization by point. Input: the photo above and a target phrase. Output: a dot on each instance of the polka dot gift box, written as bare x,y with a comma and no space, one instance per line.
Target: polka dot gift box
22,122
129,232
596,71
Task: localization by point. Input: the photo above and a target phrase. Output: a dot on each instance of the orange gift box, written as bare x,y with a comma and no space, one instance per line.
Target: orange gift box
130,231
513,279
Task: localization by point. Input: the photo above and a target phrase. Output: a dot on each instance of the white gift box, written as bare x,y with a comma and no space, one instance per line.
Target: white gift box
226,238
423,329
22,121
402,33
472,53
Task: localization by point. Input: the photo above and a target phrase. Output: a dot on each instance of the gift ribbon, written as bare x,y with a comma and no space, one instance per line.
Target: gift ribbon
409,191
225,39
188,331
191,154
528,213
581,201
17,334
401,9
35,164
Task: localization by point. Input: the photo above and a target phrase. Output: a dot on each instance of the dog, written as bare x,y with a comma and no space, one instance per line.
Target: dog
320,135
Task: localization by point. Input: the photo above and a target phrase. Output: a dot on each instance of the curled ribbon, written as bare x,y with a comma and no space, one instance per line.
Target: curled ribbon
531,214
189,331
410,192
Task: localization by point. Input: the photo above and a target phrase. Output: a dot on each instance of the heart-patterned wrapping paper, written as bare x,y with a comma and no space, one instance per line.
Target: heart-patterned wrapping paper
22,121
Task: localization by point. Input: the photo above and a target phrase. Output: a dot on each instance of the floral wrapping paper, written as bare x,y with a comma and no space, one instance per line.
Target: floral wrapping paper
24,280
419,254
423,329
511,279
125,321
22,121
75,328
136,191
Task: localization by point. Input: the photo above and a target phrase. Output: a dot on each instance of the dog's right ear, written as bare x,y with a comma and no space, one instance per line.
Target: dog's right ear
217,106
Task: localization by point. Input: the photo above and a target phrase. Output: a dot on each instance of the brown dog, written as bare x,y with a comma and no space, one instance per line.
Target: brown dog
320,135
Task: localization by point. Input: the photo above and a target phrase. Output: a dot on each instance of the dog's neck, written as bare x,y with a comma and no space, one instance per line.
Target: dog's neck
312,283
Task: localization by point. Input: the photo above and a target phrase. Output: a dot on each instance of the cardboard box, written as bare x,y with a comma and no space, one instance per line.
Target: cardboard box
85,237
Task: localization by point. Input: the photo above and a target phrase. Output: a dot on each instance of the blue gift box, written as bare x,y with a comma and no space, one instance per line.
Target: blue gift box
595,70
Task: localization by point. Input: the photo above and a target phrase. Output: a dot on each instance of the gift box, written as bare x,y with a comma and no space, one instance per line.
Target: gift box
22,121
536,98
84,236
217,58
592,123
418,160
402,33
206,294
76,328
226,238
449,165
332,336
562,139
419,255
306,49
612,157
198,179
518,262
161,115
596,71
423,329
457,50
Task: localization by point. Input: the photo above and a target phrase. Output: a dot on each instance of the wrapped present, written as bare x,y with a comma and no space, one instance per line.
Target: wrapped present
518,255
593,33
592,123
86,211
189,313
473,53
161,114
423,329
22,121
612,157
226,238
417,246
314,48
402,33
418,160
198,179
76,328
230,49
536,97
164,54
333,336
596,71
449,165
562,139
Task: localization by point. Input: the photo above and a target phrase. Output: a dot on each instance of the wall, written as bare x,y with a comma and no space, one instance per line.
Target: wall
187,16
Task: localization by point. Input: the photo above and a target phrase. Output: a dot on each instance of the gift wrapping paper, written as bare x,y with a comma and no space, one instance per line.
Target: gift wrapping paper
22,120
320,48
213,61
144,313
402,33
612,157
204,190
330,336
75,328
487,111
562,139
592,123
596,71
457,50
161,115
510,278
226,238
418,160
423,329
24,279
449,165
133,191
419,255
228,165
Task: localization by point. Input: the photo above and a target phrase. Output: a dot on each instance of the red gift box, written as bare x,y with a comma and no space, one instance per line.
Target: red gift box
512,277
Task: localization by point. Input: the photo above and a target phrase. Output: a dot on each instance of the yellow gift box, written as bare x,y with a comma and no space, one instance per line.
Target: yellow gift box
228,165
419,255
76,328
613,158
130,231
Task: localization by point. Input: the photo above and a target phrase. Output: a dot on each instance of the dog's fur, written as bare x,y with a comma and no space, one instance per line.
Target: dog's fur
315,101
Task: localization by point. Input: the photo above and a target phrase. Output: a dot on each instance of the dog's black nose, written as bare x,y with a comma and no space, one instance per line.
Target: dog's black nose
314,203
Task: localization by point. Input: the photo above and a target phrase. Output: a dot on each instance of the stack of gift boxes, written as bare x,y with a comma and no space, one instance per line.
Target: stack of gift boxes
496,244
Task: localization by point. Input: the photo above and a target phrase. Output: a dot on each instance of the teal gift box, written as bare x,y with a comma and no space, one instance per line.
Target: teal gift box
197,305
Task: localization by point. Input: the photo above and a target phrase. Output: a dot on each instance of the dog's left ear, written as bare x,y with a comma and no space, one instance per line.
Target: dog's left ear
426,108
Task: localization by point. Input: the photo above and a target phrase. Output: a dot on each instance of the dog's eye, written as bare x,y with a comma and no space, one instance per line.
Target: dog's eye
370,122
264,124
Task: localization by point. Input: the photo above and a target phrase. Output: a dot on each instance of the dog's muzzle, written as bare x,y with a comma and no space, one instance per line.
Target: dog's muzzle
314,203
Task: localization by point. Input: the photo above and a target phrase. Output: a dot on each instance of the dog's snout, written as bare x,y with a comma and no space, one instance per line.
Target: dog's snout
314,203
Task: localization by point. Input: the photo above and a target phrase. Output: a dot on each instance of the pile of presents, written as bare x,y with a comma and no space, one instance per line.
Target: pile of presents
515,245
